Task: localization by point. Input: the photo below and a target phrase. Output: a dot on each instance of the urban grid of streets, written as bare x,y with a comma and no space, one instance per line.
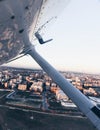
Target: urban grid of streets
26,93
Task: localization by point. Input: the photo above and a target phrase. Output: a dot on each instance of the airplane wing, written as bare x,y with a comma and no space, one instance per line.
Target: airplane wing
16,18
20,19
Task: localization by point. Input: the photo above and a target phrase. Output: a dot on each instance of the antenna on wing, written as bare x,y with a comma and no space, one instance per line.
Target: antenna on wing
37,34
40,39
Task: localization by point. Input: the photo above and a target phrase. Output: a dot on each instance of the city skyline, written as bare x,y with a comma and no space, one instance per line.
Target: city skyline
75,44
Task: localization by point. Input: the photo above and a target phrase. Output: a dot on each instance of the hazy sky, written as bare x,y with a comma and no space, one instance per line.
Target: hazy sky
76,39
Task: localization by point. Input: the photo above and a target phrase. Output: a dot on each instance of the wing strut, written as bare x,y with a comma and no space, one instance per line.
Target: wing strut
82,102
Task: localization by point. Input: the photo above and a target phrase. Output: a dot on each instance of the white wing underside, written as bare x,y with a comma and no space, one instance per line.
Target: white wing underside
20,20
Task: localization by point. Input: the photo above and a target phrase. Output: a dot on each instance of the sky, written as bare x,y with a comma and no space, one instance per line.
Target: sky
76,39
